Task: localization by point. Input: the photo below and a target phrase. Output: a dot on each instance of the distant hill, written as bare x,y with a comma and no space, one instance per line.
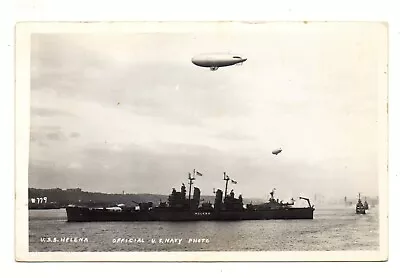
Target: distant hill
57,197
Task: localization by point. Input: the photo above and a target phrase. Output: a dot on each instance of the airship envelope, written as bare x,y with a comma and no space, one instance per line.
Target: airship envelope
277,151
215,61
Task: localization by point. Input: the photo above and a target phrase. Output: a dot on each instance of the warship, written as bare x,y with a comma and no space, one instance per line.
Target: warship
181,207
360,208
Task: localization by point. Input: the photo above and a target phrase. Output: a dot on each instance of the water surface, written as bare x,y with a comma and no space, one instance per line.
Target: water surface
331,230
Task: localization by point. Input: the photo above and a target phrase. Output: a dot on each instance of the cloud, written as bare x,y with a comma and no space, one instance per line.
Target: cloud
45,135
134,168
89,75
141,116
235,135
48,112
74,134
54,136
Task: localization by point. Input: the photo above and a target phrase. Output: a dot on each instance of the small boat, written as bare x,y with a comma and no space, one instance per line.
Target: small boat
366,206
360,209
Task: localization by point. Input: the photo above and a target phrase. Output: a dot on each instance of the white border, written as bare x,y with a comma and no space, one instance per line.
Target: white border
23,32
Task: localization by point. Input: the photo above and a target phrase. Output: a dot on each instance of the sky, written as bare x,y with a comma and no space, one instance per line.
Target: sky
113,111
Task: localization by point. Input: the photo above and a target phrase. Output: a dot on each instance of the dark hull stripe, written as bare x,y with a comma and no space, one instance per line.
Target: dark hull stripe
77,214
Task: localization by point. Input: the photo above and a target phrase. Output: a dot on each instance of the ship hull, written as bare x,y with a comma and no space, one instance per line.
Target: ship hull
360,211
83,214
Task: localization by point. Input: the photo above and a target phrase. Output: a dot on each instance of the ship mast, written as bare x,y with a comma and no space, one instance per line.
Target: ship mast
191,179
226,178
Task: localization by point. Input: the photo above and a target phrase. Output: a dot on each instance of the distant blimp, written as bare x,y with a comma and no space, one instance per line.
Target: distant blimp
215,61
277,151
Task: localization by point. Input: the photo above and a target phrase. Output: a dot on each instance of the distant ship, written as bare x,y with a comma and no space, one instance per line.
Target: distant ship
346,202
360,208
366,206
180,208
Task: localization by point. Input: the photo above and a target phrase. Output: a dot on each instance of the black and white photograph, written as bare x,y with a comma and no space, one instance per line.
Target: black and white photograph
202,141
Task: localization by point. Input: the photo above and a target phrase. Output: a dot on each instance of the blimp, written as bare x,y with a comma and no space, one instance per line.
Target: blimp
215,61
277,151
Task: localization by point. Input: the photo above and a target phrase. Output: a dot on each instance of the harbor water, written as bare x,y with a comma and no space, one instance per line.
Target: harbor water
332,229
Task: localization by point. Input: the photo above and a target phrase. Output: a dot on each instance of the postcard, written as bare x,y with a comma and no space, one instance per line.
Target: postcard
201,141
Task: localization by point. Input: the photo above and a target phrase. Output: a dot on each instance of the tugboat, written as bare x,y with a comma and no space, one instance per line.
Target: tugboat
360,209
180,208
366,206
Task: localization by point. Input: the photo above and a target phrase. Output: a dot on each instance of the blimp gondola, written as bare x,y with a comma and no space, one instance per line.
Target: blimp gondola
215,61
